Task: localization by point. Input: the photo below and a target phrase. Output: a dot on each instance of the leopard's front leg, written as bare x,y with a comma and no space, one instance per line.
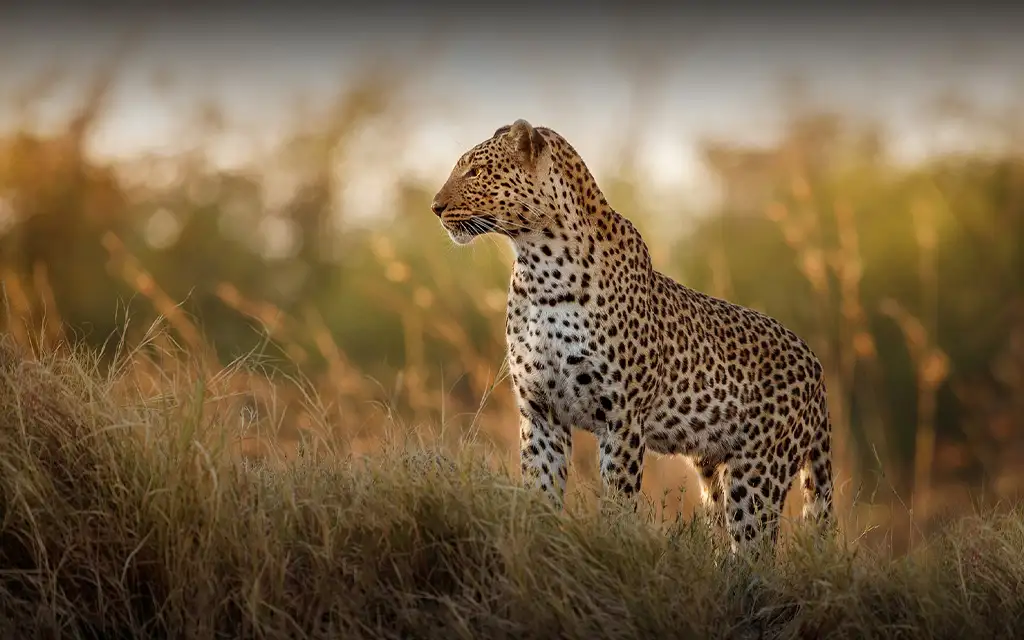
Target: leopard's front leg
622,451
545,449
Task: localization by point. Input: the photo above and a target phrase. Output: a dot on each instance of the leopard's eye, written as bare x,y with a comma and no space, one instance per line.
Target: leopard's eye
472,173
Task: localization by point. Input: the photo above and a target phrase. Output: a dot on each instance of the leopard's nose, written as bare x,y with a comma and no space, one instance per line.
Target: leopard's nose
438,207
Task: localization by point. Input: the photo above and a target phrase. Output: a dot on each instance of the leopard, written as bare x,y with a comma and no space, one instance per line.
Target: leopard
598,340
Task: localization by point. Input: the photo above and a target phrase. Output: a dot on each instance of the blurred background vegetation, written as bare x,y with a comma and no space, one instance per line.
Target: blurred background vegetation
905,278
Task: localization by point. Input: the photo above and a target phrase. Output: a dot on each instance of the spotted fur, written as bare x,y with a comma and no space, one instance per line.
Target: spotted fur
601,341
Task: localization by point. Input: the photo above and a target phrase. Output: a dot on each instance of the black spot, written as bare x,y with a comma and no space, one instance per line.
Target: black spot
738,492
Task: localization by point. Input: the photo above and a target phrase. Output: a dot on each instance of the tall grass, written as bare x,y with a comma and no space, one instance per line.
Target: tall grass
128,513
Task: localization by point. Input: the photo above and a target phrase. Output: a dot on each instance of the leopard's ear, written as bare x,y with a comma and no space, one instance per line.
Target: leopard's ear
525,139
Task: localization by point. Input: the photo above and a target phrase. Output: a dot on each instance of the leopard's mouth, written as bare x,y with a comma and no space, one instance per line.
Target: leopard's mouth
464,230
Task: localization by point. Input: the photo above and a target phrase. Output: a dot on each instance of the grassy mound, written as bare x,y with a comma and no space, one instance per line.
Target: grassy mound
124,519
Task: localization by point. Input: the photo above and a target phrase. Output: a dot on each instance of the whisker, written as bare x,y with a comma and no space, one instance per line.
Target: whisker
478,224
541,215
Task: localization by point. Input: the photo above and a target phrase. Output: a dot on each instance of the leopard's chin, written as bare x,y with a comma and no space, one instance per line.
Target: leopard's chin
463,232
461,237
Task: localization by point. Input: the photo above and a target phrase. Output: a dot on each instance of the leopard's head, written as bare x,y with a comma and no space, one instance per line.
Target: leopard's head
497,185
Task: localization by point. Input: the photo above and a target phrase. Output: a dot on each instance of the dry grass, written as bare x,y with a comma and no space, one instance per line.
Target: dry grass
129,513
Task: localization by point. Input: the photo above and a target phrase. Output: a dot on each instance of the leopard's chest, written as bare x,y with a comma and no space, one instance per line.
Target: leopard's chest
553,359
